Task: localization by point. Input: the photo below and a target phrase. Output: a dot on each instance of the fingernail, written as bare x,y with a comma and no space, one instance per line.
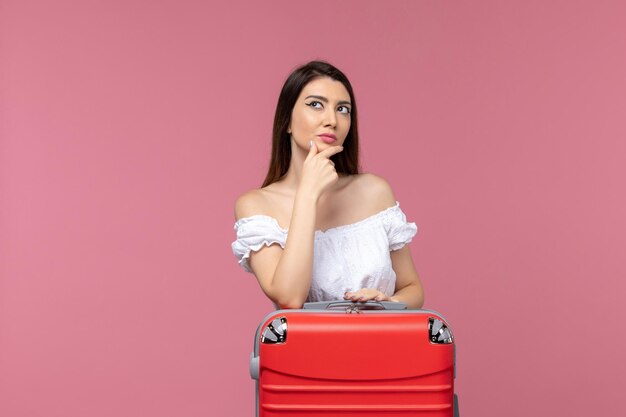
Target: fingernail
310,143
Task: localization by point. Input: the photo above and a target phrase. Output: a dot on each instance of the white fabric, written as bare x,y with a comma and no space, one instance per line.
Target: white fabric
345,258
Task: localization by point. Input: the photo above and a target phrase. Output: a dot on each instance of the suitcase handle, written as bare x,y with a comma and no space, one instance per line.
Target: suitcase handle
345,304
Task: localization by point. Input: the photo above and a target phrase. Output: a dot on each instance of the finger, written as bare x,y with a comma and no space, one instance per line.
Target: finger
312,150
327,153
361,296
366,297
357,293
365,294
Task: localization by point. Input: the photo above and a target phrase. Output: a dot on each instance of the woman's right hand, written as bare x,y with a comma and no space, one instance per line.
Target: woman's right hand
318,171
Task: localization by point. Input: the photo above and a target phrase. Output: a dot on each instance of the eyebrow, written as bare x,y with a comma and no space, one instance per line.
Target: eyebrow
325,100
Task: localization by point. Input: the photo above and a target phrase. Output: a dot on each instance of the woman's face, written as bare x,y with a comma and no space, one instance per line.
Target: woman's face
321,114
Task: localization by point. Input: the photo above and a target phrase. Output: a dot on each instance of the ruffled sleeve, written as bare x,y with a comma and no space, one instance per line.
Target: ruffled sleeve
254,232
399,231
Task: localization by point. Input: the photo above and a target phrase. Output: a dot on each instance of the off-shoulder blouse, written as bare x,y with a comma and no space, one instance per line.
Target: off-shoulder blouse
345,258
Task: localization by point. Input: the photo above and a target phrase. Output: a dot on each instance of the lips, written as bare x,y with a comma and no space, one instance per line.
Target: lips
327,138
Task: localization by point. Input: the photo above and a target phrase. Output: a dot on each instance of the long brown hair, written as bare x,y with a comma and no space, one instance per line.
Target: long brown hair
346,161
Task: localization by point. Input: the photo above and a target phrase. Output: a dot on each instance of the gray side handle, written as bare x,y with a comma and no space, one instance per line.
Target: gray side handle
343,304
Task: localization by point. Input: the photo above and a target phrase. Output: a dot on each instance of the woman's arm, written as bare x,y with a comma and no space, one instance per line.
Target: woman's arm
285,274
408,285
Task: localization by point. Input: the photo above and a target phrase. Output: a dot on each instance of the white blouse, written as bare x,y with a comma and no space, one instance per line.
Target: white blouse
345,258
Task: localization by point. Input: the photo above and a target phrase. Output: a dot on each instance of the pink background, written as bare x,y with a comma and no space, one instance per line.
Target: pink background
129,128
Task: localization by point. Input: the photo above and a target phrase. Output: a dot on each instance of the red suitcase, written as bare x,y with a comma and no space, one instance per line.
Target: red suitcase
379,359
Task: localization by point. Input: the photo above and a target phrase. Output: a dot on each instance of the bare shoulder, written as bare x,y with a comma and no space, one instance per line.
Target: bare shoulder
375,191
271,200
249,203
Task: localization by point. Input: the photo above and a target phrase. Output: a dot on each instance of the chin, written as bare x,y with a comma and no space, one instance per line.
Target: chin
327,145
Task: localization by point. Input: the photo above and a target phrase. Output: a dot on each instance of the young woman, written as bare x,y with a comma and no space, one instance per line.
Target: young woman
317,229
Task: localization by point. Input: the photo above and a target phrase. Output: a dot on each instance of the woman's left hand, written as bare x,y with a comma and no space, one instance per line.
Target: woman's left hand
366,294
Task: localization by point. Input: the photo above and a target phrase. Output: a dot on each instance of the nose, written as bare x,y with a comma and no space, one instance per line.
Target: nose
330,118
